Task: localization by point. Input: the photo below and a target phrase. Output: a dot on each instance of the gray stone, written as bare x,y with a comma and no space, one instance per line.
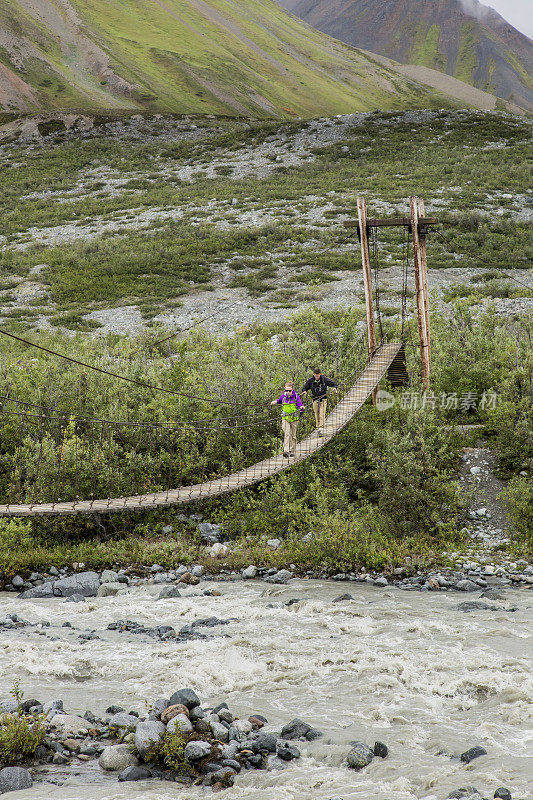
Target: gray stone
466,793
110,589
209,532
274,544
224,775
134,774
169,592
503,794
109,576
117,758
52,705
266,741
474,752
382,581
123,720
8,706
186,697
476,605
147,734
194,751
85,583
37,592
75,598
287,751
13,779
158,706
18,582
359,756
466,586
69,725
296,729
225,715
282,576
197,571
180,723
219,732
250,572
342,597
196,713
275,763
381,750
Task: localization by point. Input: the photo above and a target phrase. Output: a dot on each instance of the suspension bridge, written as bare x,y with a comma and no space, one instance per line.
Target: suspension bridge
57,448
343,412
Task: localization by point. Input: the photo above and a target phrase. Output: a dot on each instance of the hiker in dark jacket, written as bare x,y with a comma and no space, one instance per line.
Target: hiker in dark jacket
318,386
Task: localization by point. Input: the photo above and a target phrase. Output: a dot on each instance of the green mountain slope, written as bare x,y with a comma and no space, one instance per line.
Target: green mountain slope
462,38
187,56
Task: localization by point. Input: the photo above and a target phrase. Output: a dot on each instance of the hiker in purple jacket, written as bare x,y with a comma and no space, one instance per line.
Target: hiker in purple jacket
291,409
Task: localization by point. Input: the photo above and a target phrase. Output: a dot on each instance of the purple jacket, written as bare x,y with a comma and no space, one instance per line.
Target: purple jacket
290,406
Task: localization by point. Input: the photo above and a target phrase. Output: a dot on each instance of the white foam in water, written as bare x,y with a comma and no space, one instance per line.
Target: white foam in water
408,669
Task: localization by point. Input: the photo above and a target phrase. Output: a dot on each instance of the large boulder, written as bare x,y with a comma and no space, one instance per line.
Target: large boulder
186,697
69,724
359,756
117,758
38,592
148,734
84,583
296,729
12,779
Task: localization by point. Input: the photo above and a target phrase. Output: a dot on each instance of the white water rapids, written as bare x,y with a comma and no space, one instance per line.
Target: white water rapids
406,668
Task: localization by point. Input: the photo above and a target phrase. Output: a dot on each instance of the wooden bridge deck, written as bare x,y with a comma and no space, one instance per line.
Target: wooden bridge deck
335,421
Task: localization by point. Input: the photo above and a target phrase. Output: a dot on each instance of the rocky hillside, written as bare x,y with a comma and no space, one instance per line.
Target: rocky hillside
462,38
187,56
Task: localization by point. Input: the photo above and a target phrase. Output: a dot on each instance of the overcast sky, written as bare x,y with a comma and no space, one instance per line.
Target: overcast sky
518,12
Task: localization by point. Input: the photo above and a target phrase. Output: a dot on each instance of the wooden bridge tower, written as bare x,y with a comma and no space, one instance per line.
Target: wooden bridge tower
417,223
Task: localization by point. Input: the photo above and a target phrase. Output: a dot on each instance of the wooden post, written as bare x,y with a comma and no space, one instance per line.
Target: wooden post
367,280
367,276
419,288
424,271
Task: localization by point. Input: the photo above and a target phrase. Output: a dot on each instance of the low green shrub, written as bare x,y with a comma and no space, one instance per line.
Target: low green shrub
517,498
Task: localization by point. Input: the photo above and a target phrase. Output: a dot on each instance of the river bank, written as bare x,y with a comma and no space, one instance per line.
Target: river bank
386,666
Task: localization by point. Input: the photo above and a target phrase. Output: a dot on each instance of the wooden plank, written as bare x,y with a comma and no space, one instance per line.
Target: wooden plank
419,289
335,421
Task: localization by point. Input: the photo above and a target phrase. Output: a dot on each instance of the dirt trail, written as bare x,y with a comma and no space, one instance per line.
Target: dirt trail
490,524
